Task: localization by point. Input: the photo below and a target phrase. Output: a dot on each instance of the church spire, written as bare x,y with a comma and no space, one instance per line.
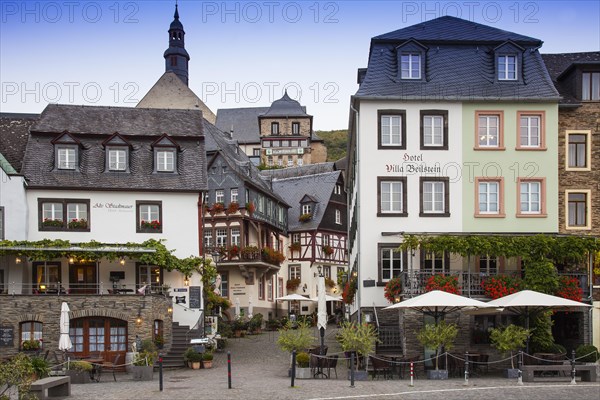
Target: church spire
176,57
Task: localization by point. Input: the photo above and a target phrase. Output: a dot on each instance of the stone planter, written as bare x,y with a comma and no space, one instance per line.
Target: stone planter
143,372
511,373
194,364
438,374
78,376
129,357
359,375
303,373
207,363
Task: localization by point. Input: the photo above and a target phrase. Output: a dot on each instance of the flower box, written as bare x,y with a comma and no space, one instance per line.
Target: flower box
54,223
292,284
296,246
77,224
153,225
217,208
328,250
305,217
233,207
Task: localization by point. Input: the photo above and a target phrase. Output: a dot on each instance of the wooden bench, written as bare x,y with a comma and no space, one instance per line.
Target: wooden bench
56,386
587,372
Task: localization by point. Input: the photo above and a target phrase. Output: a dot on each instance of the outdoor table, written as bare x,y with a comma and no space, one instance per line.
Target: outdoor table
96,368
396,359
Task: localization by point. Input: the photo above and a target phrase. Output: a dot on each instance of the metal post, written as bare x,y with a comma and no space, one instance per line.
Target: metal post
293,367
229,369
412,374
160,373
322,334
520,368
573,367
466,368
352,369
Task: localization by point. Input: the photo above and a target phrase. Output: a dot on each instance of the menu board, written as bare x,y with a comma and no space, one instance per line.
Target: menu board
195,296
7,334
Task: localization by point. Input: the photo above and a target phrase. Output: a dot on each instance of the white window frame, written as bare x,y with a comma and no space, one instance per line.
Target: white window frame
221,237
235,236
485,189
165,160
295,271
306,209
529,131
430,124
391,132
208,238
53,211
503,67
67,157
117,159
149,211
77,211
233,195
338,217
431,207
219,196
486,137
389,190
393,256
529,202
410,66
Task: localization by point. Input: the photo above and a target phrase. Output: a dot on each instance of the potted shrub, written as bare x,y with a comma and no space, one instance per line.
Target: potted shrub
207,359
79,371
41,367
509,339
255,324
587,353
439,337
143,361
298,339
192,358
360,339
303,365
239,327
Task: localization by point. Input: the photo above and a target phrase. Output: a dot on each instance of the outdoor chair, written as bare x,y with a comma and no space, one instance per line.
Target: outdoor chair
317,364
380,367
331,362
111,366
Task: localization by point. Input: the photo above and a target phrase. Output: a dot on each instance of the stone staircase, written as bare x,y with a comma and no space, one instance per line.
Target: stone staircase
390,334
179,343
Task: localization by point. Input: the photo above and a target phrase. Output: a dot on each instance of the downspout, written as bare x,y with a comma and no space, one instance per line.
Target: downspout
201,197
357,174
591,297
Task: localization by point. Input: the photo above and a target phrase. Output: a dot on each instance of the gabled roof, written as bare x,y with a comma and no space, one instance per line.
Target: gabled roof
14,133
170,92
320,187
285,107
453,29
459,65
92,125
242,121
559,65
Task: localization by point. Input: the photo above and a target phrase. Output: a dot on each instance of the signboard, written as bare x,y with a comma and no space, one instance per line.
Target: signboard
195,297
7,334
238,290
278,152
179,289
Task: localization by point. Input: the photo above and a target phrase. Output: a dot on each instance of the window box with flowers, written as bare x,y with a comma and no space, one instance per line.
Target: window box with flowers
328,250
569,288
234,251
500,286
305,217
330,283
78,223
393,290
350,289
233,207
272,256
296,246
52,223
445,283
31,345
151,226
250,207
292,284
250,253
217,208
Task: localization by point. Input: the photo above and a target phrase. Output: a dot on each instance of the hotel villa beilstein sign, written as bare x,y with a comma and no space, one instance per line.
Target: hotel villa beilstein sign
414,164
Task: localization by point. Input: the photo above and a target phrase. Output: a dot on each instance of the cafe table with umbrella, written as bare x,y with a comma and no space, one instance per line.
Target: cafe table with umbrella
530,302
293,297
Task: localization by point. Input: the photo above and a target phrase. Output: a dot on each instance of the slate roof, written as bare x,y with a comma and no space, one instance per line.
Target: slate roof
92,125
318,186
243,121
286,107
560,64
459,65
14,133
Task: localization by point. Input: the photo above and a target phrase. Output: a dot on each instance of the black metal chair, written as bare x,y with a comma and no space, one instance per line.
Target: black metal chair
331,362
380,366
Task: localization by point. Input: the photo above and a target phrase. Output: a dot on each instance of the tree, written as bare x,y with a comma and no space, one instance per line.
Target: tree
509,339
437,337
298,339
360,338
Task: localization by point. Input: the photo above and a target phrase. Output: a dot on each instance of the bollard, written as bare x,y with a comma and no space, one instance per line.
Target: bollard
293,367
573,367
229,369
412,374
352,369
160,373
466,368
520,368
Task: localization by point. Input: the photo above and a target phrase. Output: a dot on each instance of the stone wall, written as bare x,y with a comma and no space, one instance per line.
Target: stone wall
46,309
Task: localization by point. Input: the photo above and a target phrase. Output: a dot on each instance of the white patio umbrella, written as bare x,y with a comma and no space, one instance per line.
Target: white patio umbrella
294,297
322,310
64,342
327,298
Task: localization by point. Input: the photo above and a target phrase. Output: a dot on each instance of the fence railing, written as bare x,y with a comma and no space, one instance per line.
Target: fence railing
60,288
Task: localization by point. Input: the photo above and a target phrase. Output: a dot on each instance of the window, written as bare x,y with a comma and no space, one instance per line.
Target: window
117,160
489,130
67,157
489,197
435,197
325,240
219,196
165,161
280,161
157,329
295,128
63,214
578,209
338,189
590,86
296,238
261,288
306,209
434,130
488,265
173,61
436,262
391,263
149,216
300,162
46,274
507,68
531,198
338,217
256,152
270,161
294,272
290,162
274,128
224,284
392,129
233,195
221,237
531,130
578,155
261,203
280,287
31,330
270,289
208,239
392,196
410,66
235,236
327,271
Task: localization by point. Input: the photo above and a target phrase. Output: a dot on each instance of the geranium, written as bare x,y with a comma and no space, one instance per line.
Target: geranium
234,251
393,289
292,284
218,208
569,288
350,290
154,224
328,250
77,223
52,222
445,283
500,286
233,207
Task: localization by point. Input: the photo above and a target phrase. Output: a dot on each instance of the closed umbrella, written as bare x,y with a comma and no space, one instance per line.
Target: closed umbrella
64,342
250,306
237,307
322,311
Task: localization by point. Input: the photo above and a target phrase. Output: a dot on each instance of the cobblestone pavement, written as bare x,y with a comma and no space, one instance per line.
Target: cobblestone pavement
259,371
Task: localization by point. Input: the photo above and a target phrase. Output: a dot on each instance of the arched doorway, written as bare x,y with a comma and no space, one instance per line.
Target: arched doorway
107,336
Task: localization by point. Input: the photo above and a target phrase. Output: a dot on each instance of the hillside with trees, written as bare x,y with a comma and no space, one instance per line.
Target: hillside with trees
336,142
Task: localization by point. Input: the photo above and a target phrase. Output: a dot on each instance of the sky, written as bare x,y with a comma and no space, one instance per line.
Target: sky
243,53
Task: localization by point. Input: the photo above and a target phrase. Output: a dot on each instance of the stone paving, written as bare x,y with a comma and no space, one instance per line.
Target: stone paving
259,371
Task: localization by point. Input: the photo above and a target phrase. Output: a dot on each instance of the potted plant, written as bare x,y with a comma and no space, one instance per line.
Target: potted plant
327,250
233,207
153,225
207,359
79,371
295,246
393,290
445,283
41,367
77,223
349,291
509,339
143,361
330,283
292,284
192,358
298,339
587,353
500,286
239,327
305,217
159,341
217,208
234,251
255,324
439,336
303,366
31,345
250,207
360,339
56,223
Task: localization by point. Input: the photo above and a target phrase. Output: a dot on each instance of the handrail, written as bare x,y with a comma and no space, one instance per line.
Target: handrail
376,317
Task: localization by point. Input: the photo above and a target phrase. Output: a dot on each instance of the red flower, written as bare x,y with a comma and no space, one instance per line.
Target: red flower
445,283
500,286
569,288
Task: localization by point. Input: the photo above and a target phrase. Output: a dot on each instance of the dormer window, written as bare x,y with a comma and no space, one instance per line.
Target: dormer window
67,157
410,66
590,86
507,68
165,155
117,160
117,153
306,209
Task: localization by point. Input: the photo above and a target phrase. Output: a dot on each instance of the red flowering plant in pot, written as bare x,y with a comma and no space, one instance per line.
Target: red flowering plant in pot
234,251
218,208
150,225
250,207
500,286
233,207
393,290
350,290
328,250
569,288
445,283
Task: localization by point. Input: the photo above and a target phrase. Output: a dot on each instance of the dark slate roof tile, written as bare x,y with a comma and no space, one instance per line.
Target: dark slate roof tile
243,122
286,107
14,133
558,65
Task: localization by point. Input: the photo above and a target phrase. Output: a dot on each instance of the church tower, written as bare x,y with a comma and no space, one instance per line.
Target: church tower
176,57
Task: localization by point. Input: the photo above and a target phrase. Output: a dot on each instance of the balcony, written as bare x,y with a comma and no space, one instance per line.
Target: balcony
247,255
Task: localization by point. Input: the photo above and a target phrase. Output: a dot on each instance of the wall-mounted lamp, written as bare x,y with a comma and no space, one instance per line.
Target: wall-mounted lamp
122,261
304,288
354,274
18,260
186,281
319,269
42,287
71,260
170,310
138,320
